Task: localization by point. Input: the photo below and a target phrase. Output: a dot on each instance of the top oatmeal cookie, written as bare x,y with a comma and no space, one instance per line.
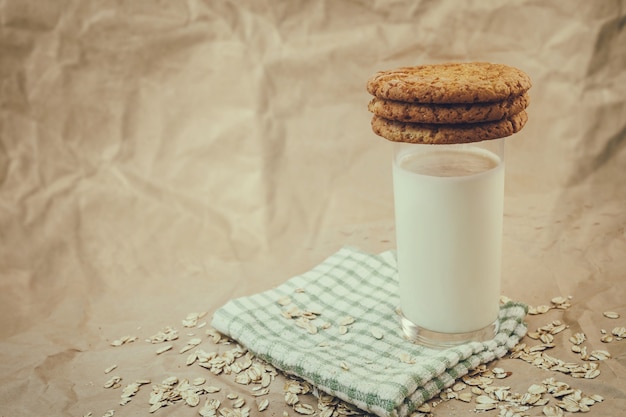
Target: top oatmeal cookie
470,82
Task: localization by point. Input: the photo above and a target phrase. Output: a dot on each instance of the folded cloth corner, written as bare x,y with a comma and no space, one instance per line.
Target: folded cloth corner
336,327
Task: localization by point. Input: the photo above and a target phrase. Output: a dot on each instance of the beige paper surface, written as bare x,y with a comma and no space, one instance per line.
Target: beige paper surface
159,158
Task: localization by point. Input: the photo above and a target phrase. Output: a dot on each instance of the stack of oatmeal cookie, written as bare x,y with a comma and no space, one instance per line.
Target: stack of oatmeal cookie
449,103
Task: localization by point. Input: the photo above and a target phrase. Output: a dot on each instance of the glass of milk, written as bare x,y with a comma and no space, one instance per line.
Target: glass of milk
449,208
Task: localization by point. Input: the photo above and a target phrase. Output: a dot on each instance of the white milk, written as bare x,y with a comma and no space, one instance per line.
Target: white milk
448,206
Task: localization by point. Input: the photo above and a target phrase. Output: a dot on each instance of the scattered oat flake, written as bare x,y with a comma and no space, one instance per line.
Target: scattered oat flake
465,397
305,409
154,407
114,382
611,315
291,398
198,381
500,373
185,349
459,386
110,368
283,301
239,403
377,333
191,359
214,335
194,342
260,391
192,399
406,358
170,381
537,389
263,405
541,309
619,332
311,328
600,355
552,411
166,335
242,378
163,349
484,399
123,340
578,338
130,389
109,413
192,319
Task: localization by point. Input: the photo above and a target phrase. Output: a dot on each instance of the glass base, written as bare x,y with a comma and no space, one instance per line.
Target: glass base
438,340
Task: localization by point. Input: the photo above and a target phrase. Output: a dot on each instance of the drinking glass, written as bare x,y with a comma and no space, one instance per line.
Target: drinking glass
448,213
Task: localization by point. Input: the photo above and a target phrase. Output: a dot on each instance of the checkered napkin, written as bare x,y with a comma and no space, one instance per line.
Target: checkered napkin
387,376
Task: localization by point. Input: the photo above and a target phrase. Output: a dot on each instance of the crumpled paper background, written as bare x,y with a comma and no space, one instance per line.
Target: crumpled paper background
159,158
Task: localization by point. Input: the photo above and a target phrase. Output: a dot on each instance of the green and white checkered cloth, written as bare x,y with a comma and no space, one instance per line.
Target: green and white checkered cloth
370,373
